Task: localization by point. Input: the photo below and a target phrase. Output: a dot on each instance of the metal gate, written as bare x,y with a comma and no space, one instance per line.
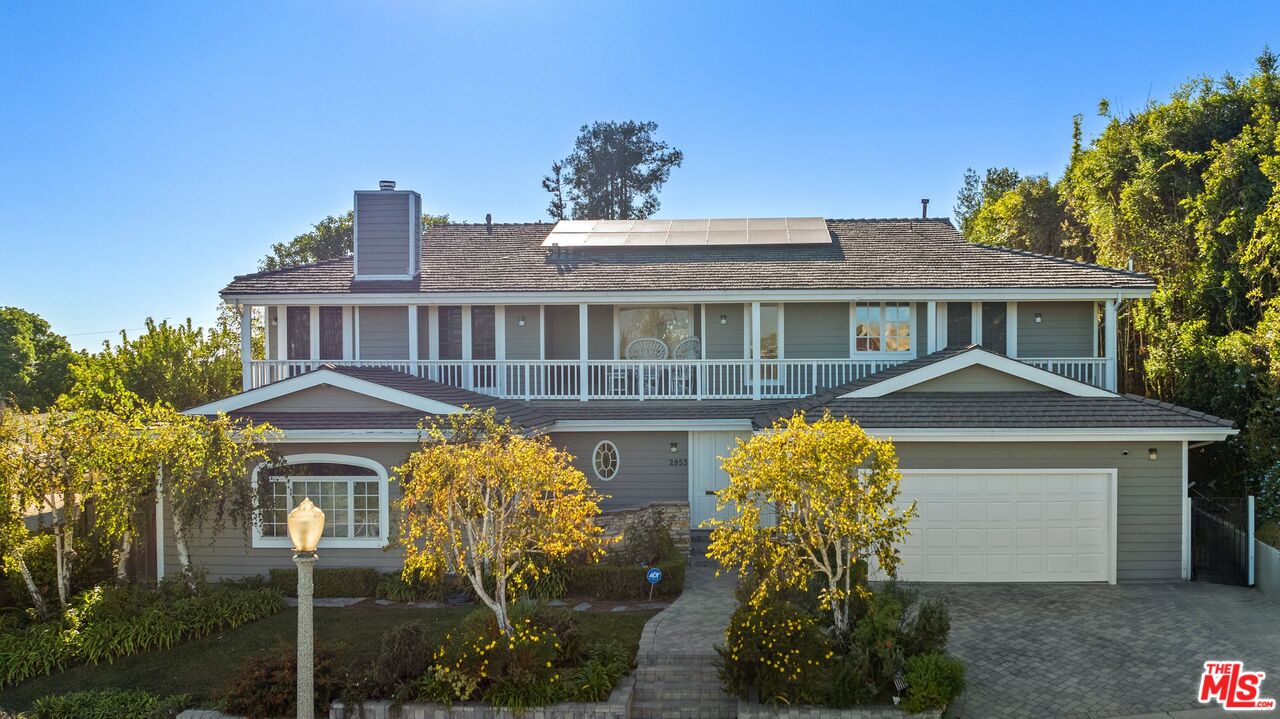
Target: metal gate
1221,540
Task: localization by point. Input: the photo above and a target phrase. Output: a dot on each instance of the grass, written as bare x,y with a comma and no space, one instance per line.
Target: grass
1269,533
202,667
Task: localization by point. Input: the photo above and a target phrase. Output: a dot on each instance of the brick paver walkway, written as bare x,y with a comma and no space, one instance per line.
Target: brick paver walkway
1102,651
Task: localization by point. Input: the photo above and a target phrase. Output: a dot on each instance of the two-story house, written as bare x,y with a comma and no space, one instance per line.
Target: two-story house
647,348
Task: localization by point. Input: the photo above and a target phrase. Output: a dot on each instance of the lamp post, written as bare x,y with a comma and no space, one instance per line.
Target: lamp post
306,524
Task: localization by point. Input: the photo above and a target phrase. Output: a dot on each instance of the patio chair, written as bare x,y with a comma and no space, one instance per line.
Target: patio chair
645,375
682,371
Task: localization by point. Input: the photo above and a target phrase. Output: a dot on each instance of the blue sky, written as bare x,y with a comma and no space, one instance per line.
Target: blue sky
149,152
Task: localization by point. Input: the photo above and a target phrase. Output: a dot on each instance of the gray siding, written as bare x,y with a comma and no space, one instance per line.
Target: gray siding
231,553
977,379
326,399
562,331
522,342
1149,524
600,332
386,223
384,333
816,330
920,342
724,341
1065,329
647,470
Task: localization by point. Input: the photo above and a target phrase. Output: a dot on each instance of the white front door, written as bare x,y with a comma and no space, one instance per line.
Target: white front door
706,475
1009,526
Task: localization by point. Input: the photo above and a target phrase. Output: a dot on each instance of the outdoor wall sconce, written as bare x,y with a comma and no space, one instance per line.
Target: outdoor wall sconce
675,447
724,319
520,322
1037,318
1152,454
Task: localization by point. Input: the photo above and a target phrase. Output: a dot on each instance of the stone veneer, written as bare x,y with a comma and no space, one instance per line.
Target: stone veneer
617,707
674,514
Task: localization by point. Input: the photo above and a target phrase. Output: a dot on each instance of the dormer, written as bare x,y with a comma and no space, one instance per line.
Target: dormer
388,228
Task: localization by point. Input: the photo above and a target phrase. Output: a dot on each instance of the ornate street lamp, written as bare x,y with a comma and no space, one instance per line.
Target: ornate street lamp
306,524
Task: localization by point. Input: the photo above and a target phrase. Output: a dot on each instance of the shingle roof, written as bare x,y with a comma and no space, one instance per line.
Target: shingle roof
864,254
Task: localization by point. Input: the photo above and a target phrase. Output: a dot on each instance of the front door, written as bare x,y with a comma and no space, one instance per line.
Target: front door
706,475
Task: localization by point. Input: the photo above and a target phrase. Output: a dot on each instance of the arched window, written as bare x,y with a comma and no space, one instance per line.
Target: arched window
351,491
605,460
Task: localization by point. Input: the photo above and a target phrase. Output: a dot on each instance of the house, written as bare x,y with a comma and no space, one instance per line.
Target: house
647,348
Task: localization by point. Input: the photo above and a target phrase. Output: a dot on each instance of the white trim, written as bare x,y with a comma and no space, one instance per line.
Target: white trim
348,334
757,374
584,379
853,328
617,332
466,333
1011,329
313,332
499,332
355,234
1113,481
246,346
542,332
650,425
979,356
975,323
931,321
702,332
941,325
1186,507
355,332
368,278
617,460
1112,326
1049,434
1094,307
413,332
958,294
323,377
384,514
159,523
433,332
1251,516
282,332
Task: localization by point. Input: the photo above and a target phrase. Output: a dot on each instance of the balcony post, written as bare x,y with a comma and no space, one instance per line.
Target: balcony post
500,347
348,334
246,348
467,375
1011,329
757,375
1111,337
282,336
413,340
584,385
313,335
975,323
931,320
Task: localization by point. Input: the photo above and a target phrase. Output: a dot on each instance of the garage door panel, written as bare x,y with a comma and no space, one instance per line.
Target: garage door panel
1007,526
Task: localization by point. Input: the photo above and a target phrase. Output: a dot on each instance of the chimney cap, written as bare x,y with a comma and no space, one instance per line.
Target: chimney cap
386,184
924,208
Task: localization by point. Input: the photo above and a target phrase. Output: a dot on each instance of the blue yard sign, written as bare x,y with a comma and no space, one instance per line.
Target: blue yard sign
654,576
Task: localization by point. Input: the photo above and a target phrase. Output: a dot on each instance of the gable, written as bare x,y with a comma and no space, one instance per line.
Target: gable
976,378
325,398
326,378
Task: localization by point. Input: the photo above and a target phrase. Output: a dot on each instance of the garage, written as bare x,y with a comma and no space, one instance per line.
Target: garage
1000,525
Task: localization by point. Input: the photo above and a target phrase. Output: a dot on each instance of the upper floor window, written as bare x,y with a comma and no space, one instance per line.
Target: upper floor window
669,324
882,327
351,491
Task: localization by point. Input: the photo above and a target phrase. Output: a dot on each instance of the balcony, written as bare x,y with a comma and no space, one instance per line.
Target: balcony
647,379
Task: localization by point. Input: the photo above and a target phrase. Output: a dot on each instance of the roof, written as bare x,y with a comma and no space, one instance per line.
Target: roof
864,255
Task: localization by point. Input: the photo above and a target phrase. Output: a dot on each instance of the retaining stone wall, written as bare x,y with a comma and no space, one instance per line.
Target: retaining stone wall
674,514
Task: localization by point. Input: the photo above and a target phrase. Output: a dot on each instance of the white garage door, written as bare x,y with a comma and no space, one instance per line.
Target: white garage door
1009,526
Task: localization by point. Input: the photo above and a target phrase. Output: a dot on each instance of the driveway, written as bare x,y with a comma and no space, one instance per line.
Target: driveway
1055,650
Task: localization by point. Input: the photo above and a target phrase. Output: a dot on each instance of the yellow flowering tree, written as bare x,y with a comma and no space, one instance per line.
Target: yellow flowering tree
482,500
811,501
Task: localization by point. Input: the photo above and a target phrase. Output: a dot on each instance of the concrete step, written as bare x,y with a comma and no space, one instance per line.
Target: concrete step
678,675
680,693
683,710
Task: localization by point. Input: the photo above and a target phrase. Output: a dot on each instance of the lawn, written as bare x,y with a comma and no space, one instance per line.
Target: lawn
200,668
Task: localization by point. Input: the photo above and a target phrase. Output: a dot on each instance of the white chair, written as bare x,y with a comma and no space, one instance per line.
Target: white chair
686,349
644,350
689,348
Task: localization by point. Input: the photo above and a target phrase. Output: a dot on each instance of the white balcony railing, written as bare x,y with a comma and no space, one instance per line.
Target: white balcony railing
647,379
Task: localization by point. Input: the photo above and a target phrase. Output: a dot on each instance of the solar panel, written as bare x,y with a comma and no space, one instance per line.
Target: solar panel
684,233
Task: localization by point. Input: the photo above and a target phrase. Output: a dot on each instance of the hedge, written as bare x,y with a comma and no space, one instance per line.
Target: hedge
330,581
108,704
625,582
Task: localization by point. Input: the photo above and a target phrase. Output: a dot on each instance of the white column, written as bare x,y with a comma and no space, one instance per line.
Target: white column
246,347
314,332
931,316
1011,328
1251,516
500,331
413,337
433,332
542,332
355,332
975,323
853,330
282,332
941,325
466,332
584,385
348,334
1110,329
757,376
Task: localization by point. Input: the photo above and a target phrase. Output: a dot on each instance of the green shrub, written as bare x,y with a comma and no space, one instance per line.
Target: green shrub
774,652
108,704
104,624
406,654
933,681
929,628
37,554
330,581
595,679
551,583
266,685
624,582
392,586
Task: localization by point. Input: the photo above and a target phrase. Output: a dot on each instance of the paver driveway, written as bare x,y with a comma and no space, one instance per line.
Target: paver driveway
1054,650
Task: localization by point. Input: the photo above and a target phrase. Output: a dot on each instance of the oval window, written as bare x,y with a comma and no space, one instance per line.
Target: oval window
604,460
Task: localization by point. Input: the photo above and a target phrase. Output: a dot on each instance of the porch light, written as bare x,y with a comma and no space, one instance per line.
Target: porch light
1037,318
724,319
675,447
520,322
306,524
1152,454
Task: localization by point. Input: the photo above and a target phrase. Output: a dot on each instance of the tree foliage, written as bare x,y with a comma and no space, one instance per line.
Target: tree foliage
615,172
1189,190
329,239
811,501
34,361
485,502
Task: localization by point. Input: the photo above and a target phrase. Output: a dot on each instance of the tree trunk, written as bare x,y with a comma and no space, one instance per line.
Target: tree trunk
184,556
122,562
64,558
37,599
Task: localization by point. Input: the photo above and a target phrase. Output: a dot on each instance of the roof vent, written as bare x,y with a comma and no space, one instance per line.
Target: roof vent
488,223
924,208
386,184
